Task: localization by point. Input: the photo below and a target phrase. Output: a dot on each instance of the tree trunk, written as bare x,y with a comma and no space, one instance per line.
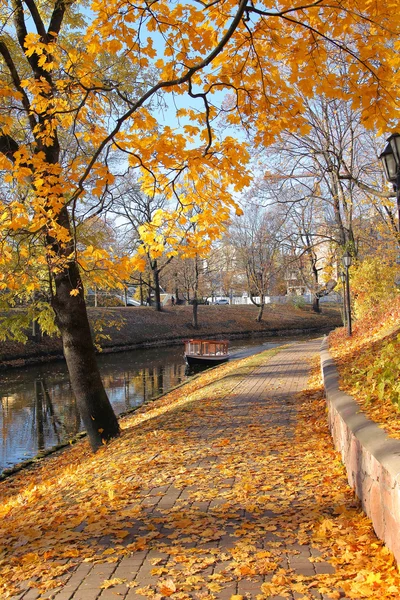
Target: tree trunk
315,305
141,290
94,406
260,312
70,311
157,291
195,321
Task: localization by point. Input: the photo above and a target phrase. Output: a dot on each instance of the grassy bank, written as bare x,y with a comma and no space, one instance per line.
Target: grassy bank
126,328
369,365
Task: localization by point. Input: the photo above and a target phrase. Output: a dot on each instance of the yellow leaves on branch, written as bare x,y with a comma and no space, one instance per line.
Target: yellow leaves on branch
104,268
47,53
94,75
102,177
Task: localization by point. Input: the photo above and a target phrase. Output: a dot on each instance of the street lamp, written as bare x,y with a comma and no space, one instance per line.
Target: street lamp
390,158
343,278
347,263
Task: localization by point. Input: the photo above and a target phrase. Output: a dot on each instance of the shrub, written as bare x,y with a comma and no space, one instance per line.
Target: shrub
380,378
373,285
298,301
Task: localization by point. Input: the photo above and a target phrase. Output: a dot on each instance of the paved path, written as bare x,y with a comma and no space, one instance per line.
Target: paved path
262,402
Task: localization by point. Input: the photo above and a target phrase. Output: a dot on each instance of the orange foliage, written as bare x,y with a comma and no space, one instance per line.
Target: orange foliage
77,91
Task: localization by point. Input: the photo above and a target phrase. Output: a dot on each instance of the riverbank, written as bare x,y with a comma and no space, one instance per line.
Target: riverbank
118,329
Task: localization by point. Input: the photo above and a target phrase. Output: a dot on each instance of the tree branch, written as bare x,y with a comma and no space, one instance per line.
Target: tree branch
37,19
367,188
17,82
161,85
57,16
8,146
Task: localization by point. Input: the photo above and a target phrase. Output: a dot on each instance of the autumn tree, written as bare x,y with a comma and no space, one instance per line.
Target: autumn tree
316,175
134,210
373,282
187,275
78,98
258,238
64,105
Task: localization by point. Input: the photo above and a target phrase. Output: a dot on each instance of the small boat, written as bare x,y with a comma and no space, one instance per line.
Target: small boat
206,352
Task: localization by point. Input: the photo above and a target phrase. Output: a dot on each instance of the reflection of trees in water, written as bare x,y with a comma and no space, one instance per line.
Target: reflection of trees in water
6,402
38,409
43,416
142,384
46,423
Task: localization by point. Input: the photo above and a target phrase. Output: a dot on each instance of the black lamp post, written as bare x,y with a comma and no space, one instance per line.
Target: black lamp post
390,158
343,278
347,263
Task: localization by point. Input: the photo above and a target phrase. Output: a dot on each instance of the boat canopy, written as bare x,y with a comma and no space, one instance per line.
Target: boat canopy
206,347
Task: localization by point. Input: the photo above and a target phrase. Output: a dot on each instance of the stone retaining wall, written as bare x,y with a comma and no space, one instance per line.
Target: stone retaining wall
371,458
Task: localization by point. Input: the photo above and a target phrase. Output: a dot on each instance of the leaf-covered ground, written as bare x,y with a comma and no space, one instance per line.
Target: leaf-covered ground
228,486
369,365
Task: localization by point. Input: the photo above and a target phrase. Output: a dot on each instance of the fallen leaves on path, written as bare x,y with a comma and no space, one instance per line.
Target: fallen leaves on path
211,493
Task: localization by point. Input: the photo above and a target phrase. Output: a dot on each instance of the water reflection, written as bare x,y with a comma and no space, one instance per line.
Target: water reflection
38,409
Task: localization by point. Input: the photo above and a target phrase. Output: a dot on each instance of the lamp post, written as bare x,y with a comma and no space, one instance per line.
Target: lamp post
343,278
347,263
390,158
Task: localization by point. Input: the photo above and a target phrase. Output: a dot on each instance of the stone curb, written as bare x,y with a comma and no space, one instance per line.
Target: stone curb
371,458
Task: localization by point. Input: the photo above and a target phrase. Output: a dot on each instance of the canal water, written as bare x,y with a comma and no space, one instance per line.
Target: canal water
38,409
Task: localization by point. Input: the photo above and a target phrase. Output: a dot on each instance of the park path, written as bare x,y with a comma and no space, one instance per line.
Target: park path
234,518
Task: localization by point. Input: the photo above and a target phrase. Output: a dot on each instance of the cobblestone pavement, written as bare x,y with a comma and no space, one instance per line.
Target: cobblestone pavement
268,393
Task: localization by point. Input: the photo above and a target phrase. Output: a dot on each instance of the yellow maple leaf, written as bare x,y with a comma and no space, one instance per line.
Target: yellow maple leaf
167,587
214,587
108,583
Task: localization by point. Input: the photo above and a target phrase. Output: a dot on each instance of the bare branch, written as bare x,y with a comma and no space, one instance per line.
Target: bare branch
17,82
367,188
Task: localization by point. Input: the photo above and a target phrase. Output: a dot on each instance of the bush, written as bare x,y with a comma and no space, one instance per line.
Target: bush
298,301
380,378
373,285
104,301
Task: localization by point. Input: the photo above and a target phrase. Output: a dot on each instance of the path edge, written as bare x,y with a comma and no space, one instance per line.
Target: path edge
371,458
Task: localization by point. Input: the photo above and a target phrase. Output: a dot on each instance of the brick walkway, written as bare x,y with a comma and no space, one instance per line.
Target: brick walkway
261,402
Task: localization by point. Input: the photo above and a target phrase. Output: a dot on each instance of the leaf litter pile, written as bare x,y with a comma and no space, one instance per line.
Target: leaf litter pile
198,500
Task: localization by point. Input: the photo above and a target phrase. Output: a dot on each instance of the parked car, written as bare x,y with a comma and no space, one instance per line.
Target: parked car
222,301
